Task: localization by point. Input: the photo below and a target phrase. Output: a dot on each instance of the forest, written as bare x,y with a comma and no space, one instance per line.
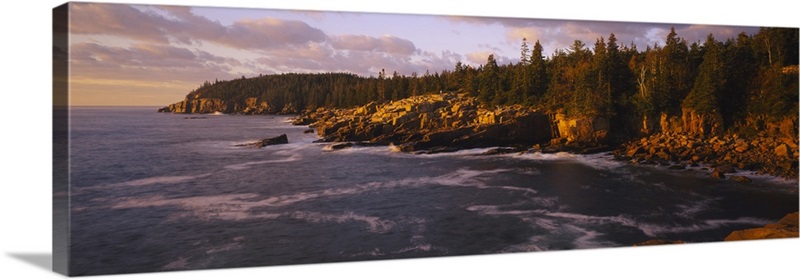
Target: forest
749,76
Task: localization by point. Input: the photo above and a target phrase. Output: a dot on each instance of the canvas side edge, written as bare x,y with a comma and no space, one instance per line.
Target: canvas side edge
60,140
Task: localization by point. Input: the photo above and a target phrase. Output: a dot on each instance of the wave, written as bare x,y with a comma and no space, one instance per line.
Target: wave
180,264
653,230
246,165
422,247
374,224
152,181
587,239
600,161
239,207
534,244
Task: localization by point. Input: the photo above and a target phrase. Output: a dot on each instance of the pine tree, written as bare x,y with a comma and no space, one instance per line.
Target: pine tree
489,81
524,56
539,79
705,93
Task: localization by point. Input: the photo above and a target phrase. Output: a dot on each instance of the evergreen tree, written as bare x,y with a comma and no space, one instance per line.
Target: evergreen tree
489,81
524,56
539,79
704,96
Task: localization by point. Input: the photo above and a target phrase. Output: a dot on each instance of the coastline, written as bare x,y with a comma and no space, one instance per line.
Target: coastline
448,122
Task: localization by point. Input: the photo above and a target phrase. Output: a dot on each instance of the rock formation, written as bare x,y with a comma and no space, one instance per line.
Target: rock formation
248,106
447,122
725,153
282,139
785,228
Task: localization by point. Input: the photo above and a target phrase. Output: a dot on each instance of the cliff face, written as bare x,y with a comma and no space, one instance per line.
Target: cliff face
248,106
450,121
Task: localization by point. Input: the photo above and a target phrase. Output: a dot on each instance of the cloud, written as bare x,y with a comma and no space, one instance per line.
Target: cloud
164,24
96,19
559,34
386,44
269,33
146,62
478,58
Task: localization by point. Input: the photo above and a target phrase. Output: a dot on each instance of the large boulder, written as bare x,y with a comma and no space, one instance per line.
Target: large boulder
782,150
282,139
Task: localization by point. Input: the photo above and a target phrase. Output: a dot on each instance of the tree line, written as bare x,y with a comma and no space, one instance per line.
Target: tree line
749,75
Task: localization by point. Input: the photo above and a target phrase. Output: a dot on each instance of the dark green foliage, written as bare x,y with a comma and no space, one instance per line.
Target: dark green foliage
776,94
707,91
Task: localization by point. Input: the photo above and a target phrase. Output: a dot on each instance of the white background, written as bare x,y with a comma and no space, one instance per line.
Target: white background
25,227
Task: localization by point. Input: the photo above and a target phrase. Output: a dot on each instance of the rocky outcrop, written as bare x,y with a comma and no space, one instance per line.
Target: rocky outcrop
582,130
785,228
248,106
282,139
726,153
432,123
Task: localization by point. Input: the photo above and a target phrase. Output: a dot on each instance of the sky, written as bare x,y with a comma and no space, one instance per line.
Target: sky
151,55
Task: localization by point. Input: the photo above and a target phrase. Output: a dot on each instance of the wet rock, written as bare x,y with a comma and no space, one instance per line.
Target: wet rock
282,139
782,150
307,131
634,151
500,151
717,174
741,146
741,179
338,146
787,227
725,169
302,121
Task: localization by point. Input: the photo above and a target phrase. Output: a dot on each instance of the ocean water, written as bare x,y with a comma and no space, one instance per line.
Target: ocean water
156,192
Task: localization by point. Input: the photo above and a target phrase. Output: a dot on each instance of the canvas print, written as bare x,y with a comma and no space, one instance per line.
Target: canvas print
210,137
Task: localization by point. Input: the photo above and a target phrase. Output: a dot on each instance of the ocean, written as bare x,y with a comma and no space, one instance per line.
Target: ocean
155,192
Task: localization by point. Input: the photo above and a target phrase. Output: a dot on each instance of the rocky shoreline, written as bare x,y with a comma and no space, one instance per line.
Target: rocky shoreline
786,227
725,154
450,122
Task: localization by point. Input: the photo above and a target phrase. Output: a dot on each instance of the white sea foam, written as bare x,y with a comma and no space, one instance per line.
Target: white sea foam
156,180
546,156
534,244
587,238
656,230
653,230
600,161
375,224
224,248
594,219
691,210
375,252
246,165
179,264
416,248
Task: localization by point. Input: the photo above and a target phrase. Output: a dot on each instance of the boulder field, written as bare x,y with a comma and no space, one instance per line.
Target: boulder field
725,154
